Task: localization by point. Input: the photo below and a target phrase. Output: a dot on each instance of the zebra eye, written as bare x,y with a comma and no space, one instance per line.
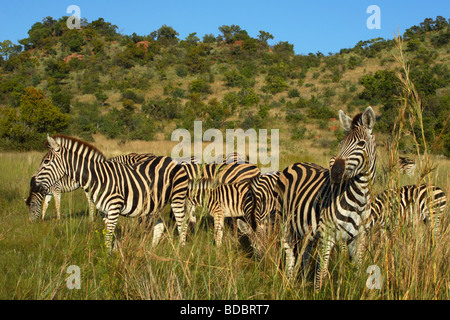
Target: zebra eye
361,144
46,161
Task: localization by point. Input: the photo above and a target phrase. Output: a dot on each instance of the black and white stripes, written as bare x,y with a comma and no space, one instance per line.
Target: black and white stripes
330,205
221,188
65,184
409,203
116,188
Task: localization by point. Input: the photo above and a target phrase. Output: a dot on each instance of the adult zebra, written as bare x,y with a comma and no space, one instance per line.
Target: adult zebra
65,184
330,205
116,188
421,202
223,189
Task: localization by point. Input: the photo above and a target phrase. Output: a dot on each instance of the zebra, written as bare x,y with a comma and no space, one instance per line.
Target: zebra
116,188
329,205
407,165
257,221
65,184
223,189
423,202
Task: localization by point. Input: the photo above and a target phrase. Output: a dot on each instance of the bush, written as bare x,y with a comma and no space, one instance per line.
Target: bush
248,97
298,133
275,84
133,96
293,93
200,86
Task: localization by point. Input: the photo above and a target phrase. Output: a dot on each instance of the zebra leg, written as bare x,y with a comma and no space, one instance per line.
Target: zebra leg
45,205
219,221
111,221
192,218
306,256
288,245
91,206
158,231
326,244
356,248
57,196
178,209
290,259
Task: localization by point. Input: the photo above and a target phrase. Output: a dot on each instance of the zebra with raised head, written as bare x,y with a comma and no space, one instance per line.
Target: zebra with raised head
407,165
65,184
116,188
330,205
223,189
424,203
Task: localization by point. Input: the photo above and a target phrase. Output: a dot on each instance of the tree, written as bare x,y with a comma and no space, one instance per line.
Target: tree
209,38
264,36
166,35
232,33
39,113
192,39
6,48
73,40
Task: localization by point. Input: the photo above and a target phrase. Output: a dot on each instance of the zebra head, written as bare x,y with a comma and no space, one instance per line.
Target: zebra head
34,200
257,237
357,154
51,168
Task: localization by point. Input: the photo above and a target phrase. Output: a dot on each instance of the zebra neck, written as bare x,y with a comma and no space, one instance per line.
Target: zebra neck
86,169
354,195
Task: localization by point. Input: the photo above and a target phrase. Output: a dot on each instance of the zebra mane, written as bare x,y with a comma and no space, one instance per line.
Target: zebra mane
68,142
357,121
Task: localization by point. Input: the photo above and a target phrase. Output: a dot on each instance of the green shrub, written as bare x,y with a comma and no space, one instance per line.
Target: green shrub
298,133
200,86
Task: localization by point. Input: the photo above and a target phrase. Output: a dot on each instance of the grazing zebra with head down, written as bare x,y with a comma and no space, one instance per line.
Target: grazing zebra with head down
257,221
65,184
330,205
116,188
422,202
407,165
223,189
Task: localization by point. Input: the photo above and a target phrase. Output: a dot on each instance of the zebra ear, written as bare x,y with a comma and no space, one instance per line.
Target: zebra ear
52,144
345,120
368,118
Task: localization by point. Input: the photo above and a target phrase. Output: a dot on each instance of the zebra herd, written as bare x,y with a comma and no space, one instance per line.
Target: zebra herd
312,204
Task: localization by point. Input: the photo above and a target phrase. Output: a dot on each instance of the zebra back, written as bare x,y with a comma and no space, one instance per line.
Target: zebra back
132,158
412,202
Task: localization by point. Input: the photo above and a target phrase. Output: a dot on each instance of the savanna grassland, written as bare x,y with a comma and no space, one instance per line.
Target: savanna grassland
133,100
35,256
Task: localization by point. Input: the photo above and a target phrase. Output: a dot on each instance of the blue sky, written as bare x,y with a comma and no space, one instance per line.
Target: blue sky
325,26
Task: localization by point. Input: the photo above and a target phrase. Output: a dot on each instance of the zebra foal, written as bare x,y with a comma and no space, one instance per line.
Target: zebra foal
223,189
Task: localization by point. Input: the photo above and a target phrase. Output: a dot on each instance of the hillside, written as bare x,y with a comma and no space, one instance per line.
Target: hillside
95,81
